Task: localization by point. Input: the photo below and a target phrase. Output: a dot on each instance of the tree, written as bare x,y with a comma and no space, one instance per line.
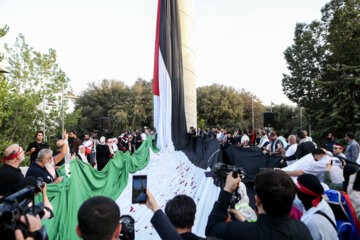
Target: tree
222,106
34,79
128,107
324,69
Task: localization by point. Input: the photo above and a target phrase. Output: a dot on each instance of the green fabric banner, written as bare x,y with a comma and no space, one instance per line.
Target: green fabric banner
85,182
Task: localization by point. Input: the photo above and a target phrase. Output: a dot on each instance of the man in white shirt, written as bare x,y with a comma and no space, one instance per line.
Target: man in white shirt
291,150
245,140
315,167
307,138
318,217
144,134
264,141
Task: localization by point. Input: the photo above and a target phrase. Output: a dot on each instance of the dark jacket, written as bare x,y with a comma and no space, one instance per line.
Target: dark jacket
266,227
103,156
190,236
303,149
164,227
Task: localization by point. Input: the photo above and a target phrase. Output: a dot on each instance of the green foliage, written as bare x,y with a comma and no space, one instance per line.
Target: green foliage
222,106
129,107
34,79
287,119
201,123
324,69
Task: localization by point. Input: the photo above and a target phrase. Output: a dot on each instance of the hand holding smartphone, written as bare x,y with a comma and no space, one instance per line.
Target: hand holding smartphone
336,162
139,189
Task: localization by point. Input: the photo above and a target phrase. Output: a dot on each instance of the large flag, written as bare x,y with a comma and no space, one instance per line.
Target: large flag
168,86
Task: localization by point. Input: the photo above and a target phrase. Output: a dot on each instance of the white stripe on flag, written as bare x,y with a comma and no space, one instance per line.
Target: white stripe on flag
164,140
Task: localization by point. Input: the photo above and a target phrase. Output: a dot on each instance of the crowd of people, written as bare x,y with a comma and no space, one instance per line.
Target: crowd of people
286,207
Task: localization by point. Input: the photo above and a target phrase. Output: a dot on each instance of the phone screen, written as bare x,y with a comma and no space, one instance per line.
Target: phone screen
139,188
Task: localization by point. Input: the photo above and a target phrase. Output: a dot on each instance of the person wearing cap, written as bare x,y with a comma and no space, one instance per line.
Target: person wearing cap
318,217
10,173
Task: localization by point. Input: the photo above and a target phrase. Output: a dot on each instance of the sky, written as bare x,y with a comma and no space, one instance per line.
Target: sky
239,43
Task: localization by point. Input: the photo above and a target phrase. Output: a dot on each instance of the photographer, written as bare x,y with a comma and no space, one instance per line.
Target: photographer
39,186
275,192
159,220
34,228
20,217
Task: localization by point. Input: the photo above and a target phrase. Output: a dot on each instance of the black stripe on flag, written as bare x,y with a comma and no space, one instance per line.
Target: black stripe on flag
170,48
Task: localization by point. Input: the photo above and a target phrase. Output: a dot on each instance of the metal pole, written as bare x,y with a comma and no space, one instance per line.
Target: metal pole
62,111
301,118
252,106
44,117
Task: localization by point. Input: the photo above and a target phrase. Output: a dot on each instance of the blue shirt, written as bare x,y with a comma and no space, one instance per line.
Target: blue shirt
35,170
352,151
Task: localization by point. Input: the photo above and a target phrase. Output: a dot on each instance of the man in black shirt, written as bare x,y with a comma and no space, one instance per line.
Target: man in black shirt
35,147
38,168
181,212
275,193
10,173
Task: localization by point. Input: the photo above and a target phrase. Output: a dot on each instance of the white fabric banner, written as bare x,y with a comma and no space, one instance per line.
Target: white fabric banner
170,173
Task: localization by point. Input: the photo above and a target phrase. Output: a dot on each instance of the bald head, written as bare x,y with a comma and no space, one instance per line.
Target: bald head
11,150
59,144
292,139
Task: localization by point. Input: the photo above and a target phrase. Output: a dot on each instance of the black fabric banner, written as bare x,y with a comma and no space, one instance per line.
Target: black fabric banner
171,51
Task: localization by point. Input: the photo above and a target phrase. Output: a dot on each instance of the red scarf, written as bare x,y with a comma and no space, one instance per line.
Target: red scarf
12,156
307,191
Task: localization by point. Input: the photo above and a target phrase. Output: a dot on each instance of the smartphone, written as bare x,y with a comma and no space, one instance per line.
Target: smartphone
336,162
139,189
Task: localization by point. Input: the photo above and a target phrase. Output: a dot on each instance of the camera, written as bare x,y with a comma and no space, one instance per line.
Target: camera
220,171
128,228
40,184
15,206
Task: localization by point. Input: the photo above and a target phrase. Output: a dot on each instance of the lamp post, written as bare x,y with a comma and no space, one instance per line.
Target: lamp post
253,114
70,96
301,123
271,106
49,103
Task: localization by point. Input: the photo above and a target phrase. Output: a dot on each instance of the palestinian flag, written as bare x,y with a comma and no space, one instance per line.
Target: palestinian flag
168,86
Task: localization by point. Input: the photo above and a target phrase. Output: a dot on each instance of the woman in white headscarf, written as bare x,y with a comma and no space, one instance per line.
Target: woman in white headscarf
81,154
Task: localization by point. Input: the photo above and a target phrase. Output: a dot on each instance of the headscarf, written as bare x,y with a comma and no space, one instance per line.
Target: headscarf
82,155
